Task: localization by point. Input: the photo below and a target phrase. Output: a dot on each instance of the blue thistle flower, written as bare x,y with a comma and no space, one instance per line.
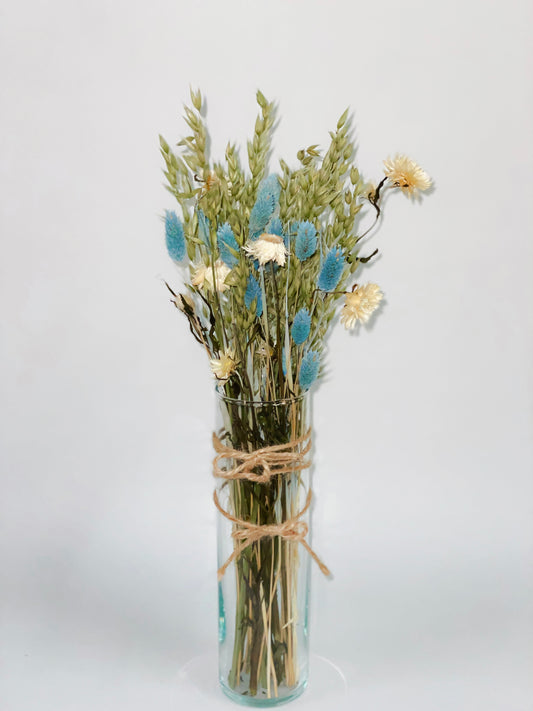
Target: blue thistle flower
301,326
227,245
253,291
265,205
331,271
174,238
305,245
309,369
203,228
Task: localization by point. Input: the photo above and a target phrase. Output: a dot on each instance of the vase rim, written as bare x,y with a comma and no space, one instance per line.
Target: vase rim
260,403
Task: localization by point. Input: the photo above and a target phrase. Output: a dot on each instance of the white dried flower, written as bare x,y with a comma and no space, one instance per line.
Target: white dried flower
224,366
203,276
267,248
407,175
360,304
369,191
180,300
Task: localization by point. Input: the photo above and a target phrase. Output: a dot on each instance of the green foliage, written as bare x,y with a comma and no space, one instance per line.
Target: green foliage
259,146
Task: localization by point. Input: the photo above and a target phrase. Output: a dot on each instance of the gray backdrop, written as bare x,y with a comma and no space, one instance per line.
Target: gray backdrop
423,423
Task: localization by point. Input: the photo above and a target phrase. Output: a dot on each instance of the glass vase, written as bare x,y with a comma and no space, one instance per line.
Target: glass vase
263,517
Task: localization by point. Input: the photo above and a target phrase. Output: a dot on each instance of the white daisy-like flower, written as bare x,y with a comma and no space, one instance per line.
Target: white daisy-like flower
360,304
407,175
224,366
203,276
267,248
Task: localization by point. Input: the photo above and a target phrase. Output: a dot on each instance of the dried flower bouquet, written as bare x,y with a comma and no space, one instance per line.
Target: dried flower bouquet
267,258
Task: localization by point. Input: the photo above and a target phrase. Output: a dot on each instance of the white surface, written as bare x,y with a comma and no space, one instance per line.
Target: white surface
423,426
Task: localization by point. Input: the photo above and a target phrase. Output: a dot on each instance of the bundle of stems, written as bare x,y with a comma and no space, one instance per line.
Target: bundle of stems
265,638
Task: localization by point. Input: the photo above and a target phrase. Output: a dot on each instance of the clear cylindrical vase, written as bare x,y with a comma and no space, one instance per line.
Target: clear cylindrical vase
263,501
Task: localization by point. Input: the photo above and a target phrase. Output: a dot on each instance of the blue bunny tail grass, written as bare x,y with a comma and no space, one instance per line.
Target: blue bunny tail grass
270,187
309,369
301,327
306,241
284,361
203,228
265,206
331,270
253,292
227,245
260,215
174,237
275,227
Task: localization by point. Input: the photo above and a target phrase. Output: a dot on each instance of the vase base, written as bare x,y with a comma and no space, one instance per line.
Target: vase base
262,700
198,687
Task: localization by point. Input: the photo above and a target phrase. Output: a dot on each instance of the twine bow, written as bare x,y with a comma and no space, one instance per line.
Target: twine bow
247,532
274,460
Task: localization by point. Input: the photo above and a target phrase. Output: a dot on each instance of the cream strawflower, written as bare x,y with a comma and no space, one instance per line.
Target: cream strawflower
203,276
404,173
224,366
360,304
267,248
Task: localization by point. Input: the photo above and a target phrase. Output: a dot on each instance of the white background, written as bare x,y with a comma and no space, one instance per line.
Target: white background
423,424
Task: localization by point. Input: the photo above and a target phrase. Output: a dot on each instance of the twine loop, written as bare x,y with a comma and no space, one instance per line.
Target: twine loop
274,460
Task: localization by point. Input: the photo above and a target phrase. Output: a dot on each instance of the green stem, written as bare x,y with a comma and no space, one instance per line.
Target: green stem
278,330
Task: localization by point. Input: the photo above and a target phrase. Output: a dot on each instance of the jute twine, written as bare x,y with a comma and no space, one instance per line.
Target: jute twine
273,460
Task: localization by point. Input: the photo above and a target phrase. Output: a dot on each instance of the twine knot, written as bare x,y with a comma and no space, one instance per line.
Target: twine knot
273,460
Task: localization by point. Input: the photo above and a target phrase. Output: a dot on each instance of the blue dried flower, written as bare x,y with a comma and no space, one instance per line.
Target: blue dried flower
305,245
309,369
284,361
275,227
226,243
203,228
174,238
265,205
270,187
301,326
260,215
332,269
253,291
